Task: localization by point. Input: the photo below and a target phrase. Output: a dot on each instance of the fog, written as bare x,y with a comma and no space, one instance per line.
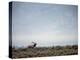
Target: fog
46,24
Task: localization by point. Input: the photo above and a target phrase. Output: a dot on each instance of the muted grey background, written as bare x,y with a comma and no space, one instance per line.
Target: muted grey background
46,24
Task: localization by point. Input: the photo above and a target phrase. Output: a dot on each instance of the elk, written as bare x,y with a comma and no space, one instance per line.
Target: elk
32,46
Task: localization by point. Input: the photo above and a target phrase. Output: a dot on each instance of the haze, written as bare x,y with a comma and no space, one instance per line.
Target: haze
45,24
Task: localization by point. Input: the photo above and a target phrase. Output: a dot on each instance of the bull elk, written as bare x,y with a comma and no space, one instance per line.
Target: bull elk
32,46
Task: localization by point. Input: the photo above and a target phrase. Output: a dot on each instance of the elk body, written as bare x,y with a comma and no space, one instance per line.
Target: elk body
32,46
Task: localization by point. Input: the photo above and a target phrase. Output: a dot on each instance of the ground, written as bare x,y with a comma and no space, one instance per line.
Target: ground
44,51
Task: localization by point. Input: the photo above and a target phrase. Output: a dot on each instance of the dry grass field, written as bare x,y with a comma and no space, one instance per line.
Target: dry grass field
44,51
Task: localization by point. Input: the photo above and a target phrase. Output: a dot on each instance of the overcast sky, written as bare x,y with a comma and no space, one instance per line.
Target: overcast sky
45,24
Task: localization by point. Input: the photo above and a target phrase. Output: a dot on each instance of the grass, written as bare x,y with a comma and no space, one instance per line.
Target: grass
44,51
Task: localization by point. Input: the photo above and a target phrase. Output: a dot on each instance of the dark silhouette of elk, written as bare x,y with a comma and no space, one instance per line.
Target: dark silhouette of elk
32,46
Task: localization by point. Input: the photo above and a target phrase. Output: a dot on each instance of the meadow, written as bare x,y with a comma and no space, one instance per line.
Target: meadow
44,51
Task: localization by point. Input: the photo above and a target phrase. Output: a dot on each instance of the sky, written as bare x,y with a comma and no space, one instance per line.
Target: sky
46,24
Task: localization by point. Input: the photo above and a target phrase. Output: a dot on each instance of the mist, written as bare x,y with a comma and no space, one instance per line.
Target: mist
46,24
